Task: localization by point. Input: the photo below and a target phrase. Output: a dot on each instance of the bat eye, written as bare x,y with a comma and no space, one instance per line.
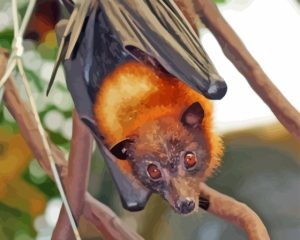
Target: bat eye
190,160
153,171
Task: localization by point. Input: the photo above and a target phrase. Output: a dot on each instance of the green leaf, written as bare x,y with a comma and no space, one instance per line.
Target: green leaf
6,38
12,220
222,1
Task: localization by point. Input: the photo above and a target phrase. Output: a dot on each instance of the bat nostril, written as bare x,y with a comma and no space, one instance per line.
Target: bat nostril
190,205
185,206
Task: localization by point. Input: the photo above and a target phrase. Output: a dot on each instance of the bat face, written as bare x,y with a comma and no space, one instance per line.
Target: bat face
169,157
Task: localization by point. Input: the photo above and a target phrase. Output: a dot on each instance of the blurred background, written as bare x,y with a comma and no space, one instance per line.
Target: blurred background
261,166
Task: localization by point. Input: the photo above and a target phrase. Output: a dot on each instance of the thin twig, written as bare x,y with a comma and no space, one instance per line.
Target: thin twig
26,123
17,44
49,153
236,212
14,6
97,213
16,58
237,53
27,16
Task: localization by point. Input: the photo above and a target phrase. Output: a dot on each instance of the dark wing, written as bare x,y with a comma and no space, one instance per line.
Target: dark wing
80,69
158,28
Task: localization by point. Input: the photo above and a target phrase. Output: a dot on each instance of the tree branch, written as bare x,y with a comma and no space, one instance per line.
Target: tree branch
27,124
106,221
77,180
238,54
236,212
104,218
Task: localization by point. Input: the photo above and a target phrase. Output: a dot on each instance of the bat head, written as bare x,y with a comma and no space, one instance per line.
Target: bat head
169,156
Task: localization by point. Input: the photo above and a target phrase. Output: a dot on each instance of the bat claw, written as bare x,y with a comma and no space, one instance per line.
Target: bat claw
203,203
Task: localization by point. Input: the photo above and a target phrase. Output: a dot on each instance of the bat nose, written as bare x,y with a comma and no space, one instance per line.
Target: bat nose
185,206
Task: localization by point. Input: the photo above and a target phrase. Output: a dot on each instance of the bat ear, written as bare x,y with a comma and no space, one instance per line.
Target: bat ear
120,150
193,115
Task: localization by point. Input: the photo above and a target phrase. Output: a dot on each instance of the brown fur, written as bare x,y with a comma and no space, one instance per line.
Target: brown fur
134,97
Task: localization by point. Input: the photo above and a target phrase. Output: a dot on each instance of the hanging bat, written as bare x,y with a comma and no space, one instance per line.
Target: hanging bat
141,81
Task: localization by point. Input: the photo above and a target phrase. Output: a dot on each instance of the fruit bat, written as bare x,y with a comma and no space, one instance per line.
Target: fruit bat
100,35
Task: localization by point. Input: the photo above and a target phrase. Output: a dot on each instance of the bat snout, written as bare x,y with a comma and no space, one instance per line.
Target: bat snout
184,205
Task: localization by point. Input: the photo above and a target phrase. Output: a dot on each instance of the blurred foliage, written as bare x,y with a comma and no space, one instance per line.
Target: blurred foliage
24,187
14,224
20,202
219,1
6,38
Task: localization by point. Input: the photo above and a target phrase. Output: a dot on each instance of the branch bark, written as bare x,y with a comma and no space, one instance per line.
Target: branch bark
106,221
76,181
236,212
237,53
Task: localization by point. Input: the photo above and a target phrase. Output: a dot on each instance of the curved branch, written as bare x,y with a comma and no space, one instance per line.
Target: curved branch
238,54
104,218
236,212
77,180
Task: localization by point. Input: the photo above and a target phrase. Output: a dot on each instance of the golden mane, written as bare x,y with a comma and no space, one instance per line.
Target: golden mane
135,94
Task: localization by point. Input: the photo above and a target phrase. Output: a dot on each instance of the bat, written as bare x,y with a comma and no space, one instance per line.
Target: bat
100,35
